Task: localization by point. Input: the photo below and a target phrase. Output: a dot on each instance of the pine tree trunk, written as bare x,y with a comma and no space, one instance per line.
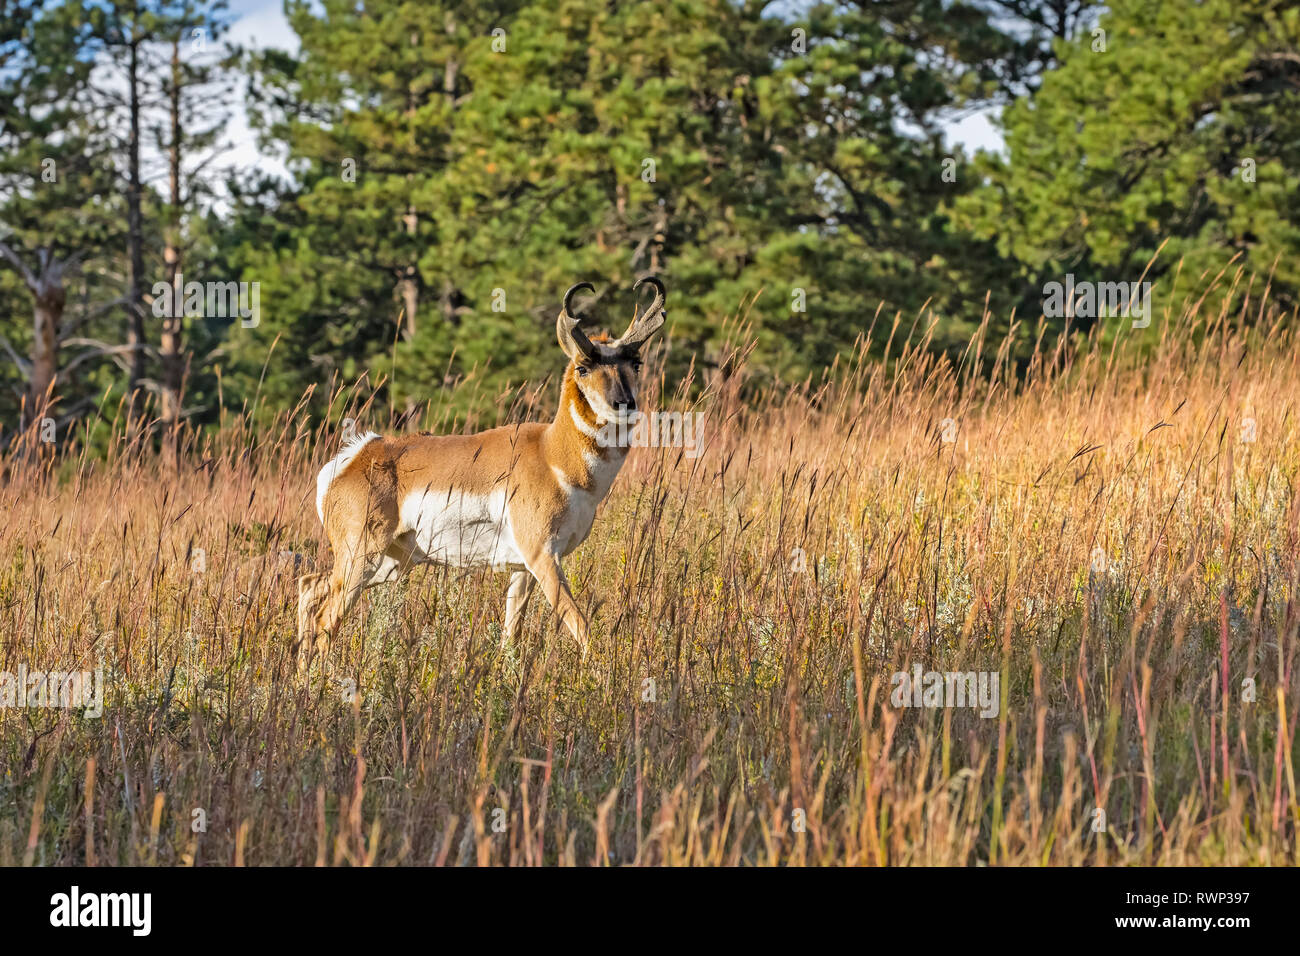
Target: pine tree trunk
47,313
171,343
408,287
449,300
134,236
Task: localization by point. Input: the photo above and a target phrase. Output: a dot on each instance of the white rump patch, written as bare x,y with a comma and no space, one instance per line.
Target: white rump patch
336,464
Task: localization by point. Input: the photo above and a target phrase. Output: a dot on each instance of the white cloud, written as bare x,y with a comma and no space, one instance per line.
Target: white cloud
261,25
976,132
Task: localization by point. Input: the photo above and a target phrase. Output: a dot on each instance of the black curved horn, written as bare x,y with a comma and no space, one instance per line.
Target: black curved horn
649,321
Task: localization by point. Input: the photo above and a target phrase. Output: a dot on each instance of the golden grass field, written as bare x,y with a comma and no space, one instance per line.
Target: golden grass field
1113,530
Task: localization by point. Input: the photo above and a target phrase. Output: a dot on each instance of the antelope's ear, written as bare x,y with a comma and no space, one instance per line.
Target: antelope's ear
565,343
568,332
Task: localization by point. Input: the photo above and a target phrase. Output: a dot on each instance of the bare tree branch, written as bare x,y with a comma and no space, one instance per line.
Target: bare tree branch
28,276
66,332
100,349
24,366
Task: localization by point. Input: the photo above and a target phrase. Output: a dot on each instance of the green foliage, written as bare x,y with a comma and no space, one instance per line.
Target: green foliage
57,200
751,160
1185,128
455,167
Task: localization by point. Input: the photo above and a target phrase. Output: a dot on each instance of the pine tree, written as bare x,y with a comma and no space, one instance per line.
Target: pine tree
194,91
487,159
57,207
1166,124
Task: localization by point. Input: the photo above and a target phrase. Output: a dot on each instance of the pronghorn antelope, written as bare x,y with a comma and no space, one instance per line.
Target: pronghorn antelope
520,497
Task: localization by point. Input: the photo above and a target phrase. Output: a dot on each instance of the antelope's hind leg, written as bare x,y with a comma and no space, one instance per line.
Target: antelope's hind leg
313,591
367,559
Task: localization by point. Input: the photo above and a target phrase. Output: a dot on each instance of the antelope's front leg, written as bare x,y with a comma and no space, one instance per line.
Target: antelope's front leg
546,569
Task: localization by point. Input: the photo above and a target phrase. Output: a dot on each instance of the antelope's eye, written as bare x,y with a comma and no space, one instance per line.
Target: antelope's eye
583,370
636,365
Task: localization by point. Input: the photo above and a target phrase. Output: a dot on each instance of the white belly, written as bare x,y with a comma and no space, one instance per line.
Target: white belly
460,529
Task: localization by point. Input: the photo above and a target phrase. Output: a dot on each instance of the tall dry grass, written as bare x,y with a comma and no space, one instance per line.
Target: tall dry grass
1097,526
